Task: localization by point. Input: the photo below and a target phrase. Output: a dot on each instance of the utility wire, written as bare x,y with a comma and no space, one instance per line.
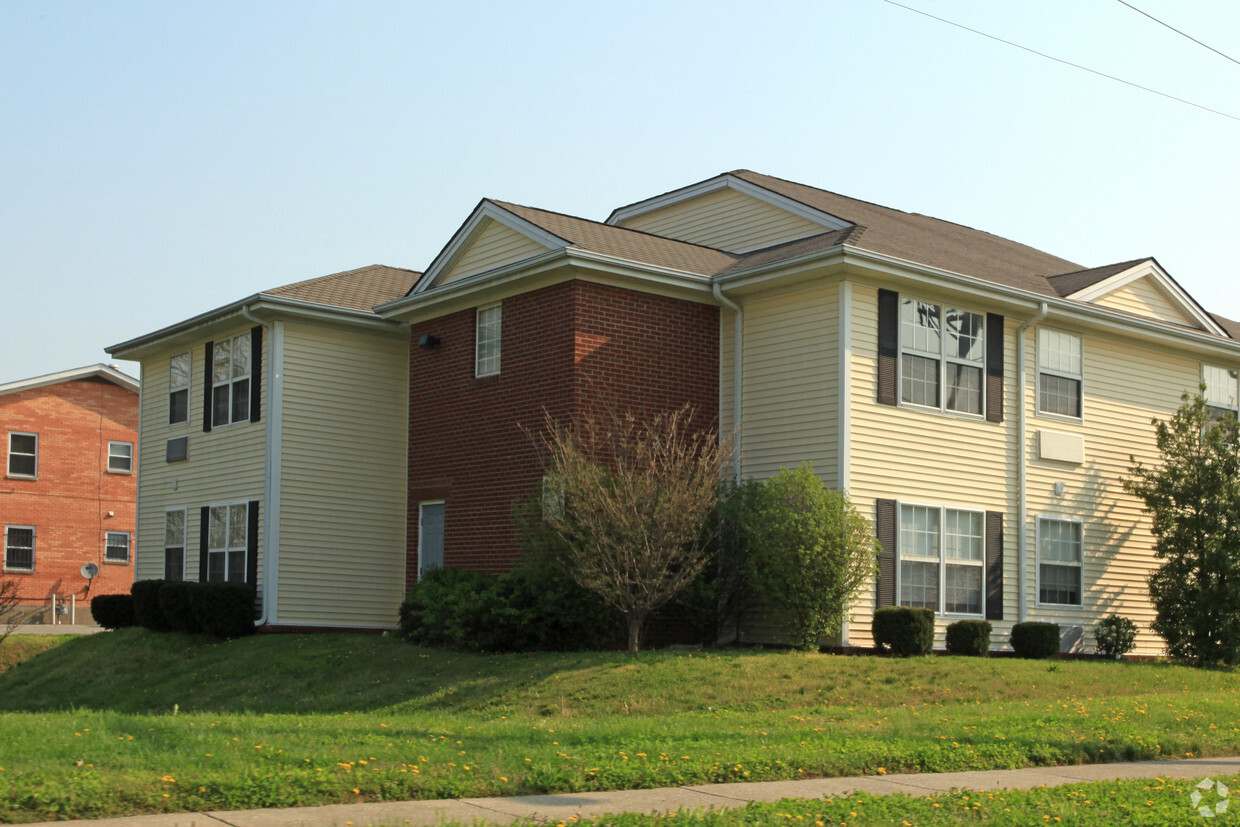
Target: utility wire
1177,31
1066,62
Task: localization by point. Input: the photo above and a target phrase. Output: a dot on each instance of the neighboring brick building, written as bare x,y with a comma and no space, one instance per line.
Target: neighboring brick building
70,486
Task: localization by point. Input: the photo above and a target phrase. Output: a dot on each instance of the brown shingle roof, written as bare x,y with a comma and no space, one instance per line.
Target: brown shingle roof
1069,283
359,289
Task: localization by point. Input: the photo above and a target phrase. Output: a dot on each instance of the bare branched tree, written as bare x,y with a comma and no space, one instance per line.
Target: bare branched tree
630,499
9,597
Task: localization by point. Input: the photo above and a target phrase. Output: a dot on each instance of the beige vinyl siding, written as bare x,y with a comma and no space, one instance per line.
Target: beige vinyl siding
1145,298
343,476
726,219
225,465
494,245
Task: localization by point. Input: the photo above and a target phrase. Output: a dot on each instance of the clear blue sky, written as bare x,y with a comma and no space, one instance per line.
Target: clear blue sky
162,159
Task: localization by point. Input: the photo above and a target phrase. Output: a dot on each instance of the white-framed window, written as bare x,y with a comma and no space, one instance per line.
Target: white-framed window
178,389
1060,369
941,559
19,548
430,535
1222,389
942,357
1059,562
227,536
120,457
487,350
116,547
23,455
174,544
230,380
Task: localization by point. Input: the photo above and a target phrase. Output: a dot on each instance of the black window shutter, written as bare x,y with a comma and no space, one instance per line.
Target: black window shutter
885,528
256,373
994,565
207,371
202,544
888,345
994,367
251,543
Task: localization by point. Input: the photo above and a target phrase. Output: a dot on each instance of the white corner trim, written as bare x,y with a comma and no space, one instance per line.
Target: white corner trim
275,452
844,437
1182,301
485,212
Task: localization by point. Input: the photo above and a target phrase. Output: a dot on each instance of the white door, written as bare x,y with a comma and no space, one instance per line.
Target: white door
430,536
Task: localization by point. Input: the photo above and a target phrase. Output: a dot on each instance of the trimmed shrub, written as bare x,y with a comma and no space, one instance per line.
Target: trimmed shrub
1035,640
112,611
899,630
146,609
442,609
1115,636
223,609
177,606
969,637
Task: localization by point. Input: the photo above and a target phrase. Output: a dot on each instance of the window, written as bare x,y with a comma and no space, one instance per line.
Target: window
23,455
226,542
488,340
120,457
1059,373
19,548
178,389
230,380
116,549
1059,562
942,357
1221,390
942,553
174,544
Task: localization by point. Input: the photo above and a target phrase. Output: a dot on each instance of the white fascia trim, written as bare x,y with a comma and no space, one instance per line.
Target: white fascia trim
728,181
100,370
1174,293
487,210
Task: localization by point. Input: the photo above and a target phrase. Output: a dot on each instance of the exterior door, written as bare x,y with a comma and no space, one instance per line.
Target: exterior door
430,536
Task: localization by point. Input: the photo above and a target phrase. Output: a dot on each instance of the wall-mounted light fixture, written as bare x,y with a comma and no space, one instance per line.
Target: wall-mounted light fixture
1059,489
428,342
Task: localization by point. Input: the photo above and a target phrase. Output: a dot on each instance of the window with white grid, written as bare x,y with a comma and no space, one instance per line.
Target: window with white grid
942,357
942,554
488,341
1222,394
1060,366
1059,562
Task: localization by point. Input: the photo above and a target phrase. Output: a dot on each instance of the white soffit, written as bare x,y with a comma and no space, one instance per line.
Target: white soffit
1175,294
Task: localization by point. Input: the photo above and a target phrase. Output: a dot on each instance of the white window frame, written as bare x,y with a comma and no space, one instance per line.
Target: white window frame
174,389
488,340
9,463
184,512
942,559
234,378
108,545
229,548
1079,564
942,358
112,443
1222,389
34,544
1042,370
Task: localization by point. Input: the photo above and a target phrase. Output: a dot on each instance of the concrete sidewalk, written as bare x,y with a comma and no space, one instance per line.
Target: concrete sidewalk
58,629
543,808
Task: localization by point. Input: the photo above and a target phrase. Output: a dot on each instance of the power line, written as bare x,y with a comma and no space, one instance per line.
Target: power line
1066,62
1177,31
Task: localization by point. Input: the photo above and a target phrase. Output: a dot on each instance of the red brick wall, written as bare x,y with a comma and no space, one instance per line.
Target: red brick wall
571,349
70,501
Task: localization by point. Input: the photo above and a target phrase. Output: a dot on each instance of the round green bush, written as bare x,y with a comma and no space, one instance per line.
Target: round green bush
899,630
1035,640
1115,636
112,611
969,637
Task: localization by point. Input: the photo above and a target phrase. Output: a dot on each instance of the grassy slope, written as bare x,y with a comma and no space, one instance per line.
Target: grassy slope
173,722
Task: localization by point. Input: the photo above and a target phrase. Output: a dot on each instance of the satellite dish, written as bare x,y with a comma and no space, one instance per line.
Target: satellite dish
89,571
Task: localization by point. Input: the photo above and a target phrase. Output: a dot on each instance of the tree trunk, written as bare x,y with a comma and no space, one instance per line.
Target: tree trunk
635,626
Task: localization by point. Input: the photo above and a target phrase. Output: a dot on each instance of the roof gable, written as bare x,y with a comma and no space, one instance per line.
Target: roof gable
1145,289
107,373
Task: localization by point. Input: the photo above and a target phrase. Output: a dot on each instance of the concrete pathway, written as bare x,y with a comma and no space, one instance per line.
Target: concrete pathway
542,808
58,629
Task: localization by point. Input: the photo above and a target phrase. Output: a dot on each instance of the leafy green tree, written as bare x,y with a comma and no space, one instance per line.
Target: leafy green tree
808,552
1193,498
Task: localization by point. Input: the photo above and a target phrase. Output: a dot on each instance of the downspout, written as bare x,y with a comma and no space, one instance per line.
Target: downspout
1022,453
268,553
738,326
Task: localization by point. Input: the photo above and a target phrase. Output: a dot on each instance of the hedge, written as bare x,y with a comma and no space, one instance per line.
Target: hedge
899,630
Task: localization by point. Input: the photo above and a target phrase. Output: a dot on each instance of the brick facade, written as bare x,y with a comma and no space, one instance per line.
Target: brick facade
572,349
74,501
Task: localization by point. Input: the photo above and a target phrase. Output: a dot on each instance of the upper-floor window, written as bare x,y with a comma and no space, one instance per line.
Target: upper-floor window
1222,391
1059,562
23,455
19,548
174,544
178,389
116,547
120,457
1059,373
227,542
230,380
942,357
941,559
487,352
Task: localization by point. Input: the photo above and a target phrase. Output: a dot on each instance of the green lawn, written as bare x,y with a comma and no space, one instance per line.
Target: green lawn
132,721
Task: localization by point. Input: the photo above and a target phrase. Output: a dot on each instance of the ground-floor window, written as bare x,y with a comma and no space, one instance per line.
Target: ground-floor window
227,541
116,547
19,548
941,559
174,544
1059,562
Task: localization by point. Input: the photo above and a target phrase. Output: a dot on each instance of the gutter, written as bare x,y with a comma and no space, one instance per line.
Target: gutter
738,322
1022,449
